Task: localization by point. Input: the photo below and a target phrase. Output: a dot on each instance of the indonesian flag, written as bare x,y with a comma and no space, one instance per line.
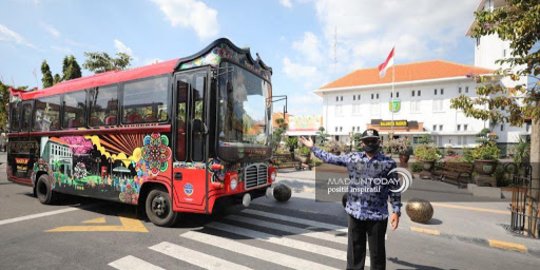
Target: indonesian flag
388,63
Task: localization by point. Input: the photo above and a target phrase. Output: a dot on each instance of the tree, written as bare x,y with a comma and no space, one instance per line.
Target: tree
517,22
47,78
70,68
278,132
57,78
99,62
322,136
4,103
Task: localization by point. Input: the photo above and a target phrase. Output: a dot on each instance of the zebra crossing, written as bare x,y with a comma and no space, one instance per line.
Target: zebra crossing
250,239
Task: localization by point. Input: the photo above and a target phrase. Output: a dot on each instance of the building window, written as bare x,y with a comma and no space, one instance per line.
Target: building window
419,92
391,95
371,96
340,129
458,127
434,127
336,129
358,97
377,95
356,108
353,129
442,91
440,127
459,90
504,53
341,98
465,127
438,105
413,93
353,97
502,127
435,92
337,98
397,94
466,89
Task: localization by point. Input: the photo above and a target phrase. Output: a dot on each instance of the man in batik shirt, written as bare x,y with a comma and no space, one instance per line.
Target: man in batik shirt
367,198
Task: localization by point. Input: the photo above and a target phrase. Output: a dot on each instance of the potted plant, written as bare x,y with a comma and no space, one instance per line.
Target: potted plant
427,154
485,158
486,154
404,150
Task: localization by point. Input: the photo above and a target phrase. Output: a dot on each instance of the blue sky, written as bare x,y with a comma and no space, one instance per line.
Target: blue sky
308,43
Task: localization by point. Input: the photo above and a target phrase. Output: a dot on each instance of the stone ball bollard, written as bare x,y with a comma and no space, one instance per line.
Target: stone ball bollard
419,210
282,192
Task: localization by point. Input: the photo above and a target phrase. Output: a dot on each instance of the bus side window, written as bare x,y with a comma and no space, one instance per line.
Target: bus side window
15,116
182,88
103,106
47,115
27,116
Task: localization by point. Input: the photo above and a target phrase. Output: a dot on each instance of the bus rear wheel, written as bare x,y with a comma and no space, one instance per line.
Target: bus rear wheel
44,192
159,208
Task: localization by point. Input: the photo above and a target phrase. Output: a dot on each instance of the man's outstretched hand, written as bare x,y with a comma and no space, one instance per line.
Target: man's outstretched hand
307,142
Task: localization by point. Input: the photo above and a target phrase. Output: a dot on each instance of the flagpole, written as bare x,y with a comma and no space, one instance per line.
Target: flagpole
393,93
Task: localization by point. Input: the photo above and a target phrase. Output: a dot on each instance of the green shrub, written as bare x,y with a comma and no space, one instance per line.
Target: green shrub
426,153
416,166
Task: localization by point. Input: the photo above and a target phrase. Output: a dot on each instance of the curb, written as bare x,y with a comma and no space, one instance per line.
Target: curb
491,243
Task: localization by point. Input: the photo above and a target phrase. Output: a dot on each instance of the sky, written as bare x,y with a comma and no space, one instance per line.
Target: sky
308,43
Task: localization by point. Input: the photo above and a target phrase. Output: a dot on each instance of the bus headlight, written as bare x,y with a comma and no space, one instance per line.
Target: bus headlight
233,183
273,176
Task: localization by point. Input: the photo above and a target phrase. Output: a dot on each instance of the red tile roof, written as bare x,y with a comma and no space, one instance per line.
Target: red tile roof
428,70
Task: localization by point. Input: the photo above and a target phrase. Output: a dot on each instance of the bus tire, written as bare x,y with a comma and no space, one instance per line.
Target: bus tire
44,192
158,208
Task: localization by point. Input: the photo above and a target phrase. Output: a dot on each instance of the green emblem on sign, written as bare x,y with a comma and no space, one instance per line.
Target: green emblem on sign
394,105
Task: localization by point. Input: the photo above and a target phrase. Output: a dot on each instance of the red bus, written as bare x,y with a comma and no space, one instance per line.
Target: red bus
171,137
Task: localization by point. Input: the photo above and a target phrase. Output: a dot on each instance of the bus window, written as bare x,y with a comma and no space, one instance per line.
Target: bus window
74,108
15,116
47,114
145,101
182,87
198,114
27,116
104,106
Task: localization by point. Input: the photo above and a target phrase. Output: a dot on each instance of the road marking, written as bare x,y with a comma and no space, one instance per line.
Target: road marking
425,230
494,211
507,245
128,225
196,258
133,263
340,239
255,252
99,220
302,221
34,216
282,241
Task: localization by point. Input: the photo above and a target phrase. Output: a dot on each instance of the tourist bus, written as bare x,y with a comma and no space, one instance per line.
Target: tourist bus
170,137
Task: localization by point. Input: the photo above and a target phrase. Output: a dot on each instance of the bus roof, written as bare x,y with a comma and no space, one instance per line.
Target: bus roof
106,78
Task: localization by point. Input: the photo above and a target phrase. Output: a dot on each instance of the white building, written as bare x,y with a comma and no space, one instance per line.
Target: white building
423,90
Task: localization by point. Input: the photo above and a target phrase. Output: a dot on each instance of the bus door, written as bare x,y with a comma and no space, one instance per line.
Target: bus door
190,129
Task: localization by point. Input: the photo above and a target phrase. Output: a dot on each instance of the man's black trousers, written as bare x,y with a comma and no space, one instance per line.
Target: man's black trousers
356,248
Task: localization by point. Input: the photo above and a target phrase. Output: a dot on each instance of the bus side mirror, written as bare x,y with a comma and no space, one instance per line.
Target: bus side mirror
198,126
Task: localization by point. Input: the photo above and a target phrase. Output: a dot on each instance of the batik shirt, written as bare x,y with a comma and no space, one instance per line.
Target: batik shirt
368,199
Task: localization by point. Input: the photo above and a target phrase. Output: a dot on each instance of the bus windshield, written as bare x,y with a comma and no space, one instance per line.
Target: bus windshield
243,107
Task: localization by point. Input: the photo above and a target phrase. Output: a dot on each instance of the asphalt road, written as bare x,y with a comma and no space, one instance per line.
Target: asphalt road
91,234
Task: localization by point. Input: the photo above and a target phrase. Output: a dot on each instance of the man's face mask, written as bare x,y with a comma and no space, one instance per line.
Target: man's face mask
371,145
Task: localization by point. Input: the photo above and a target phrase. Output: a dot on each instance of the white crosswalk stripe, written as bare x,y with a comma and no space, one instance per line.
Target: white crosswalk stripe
340,239
196,258
255,252
133,263
282,241
303,221
321,244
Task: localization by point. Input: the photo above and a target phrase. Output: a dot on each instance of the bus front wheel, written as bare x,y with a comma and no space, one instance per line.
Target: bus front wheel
43,190
159,208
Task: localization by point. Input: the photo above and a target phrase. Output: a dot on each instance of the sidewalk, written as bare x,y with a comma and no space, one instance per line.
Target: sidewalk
3,176
457,214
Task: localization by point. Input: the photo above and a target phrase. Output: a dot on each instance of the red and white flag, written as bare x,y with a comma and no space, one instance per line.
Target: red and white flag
388,63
